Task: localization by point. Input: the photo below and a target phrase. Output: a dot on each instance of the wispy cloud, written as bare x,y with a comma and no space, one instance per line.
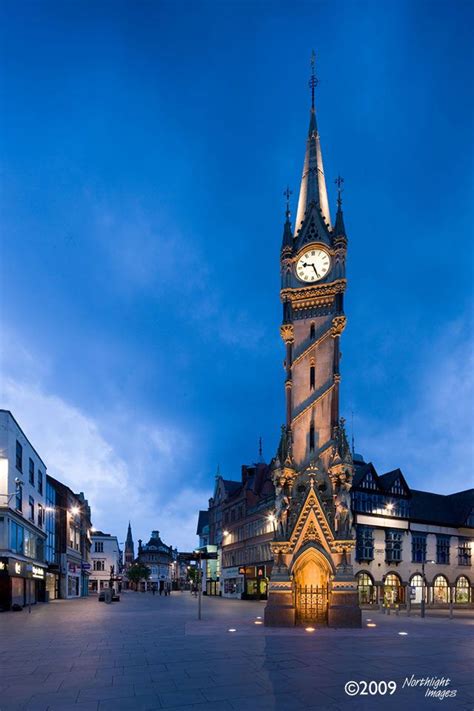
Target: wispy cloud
432,441
153,255
147,480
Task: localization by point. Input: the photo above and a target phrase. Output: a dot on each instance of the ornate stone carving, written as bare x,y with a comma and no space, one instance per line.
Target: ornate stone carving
338,325
287,332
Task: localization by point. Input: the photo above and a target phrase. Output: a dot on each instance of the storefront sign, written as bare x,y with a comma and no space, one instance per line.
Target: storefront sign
3,565
71,567
86,566
36,572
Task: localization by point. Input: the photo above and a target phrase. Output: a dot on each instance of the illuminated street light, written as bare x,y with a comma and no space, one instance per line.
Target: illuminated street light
74,510
225,532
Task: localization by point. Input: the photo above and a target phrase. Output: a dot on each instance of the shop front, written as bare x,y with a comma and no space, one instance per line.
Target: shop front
73,580
21,583
232,583
255,581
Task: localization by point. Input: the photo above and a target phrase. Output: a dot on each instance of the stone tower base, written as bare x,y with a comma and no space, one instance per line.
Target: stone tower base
280,607
344,610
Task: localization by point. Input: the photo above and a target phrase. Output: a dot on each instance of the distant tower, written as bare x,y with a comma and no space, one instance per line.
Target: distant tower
129,548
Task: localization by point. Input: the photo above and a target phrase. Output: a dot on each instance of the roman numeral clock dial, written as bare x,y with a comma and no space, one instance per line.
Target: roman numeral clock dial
313,265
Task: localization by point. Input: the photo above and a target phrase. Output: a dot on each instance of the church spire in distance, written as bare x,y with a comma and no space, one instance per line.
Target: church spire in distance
313,184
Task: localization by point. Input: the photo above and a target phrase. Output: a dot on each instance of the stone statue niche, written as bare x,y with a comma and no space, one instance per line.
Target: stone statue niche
342,504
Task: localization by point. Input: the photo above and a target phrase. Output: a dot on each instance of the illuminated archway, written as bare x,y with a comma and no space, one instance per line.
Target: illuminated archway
312,567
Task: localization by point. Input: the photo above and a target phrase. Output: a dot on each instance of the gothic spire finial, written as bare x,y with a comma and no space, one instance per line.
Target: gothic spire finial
260,450
339,227
313,82
287,194
339,182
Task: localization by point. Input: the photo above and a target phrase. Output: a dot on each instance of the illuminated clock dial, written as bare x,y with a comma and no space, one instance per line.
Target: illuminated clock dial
313,265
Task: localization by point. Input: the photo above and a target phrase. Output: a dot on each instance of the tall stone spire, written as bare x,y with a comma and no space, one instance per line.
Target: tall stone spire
129,548
313,184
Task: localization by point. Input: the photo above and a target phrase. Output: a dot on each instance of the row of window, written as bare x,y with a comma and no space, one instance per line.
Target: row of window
394,547
393,589
378,504
39,519
249,555
31,468
25,542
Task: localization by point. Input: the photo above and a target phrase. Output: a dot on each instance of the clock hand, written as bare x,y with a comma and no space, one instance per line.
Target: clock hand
312,265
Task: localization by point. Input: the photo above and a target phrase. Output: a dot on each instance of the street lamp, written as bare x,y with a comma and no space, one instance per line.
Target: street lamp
423,562
225,532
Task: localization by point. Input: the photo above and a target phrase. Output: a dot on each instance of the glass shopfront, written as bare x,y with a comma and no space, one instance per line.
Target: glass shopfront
393,591
367,589
22,583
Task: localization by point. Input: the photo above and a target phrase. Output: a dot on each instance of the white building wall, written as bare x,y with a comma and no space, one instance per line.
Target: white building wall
109,556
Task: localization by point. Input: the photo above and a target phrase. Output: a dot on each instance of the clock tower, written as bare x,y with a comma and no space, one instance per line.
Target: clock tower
312,578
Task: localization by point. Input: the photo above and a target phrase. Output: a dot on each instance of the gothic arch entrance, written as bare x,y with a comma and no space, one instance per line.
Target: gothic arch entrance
311,575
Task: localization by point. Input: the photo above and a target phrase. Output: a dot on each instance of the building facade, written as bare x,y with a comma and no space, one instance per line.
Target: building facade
106,562
248,521
159,558
411,545
22,517
313,578
72,531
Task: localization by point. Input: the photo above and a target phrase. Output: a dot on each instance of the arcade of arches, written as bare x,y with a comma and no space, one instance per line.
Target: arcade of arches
394,591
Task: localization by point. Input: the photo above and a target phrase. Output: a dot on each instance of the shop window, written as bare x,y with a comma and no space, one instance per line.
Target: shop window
30,544
31,508
31,470
464,551
17,536
366,588
393,546
462,590
392,589
442,550
418,547
19,456
440,589
365,544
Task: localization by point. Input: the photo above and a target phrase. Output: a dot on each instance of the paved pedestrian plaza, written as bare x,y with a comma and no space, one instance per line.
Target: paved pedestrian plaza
150,652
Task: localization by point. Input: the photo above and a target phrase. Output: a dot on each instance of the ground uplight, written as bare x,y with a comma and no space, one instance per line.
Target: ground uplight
309,629
371,624
232,629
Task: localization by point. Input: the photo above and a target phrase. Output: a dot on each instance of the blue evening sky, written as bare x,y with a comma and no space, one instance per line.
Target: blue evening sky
145,148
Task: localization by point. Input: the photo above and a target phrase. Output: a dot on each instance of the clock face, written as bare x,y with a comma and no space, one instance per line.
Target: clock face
313,265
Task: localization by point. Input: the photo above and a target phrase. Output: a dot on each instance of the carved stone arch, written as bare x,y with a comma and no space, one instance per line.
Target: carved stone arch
312,565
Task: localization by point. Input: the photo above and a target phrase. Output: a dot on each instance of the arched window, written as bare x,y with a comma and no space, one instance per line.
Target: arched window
440,589
463,588
312,377
311,437
416,589
365,586
312,331
392,589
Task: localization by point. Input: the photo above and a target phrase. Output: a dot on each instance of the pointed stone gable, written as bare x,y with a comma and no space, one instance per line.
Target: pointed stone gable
312,524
